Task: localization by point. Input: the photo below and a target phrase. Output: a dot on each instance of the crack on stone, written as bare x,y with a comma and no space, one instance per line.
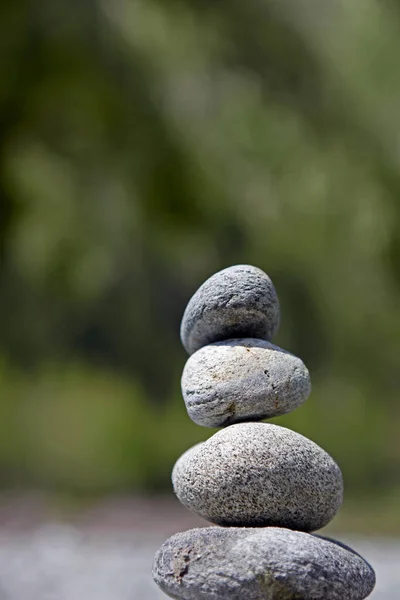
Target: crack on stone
230,410
271,380
181,566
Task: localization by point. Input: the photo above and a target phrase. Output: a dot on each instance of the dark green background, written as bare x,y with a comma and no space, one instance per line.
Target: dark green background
145,145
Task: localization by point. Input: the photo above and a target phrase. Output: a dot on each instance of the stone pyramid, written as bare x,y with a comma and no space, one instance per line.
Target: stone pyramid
266,487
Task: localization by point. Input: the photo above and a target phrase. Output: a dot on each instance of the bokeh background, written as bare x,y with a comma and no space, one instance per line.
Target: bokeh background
145,145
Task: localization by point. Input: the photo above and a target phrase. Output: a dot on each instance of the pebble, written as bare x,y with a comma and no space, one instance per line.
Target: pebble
259,474
260,564
239,301
242,379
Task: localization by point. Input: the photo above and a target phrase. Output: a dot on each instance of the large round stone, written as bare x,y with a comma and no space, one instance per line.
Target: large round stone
242,380
239,301
260,564
259,474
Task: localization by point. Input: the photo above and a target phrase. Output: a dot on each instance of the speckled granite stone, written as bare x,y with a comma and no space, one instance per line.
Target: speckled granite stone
239,301
242,380
214,563
259,474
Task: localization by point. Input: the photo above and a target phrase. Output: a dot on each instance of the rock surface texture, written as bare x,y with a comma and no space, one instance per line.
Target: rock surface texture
241,380
239,301
258,474
266,485
260,564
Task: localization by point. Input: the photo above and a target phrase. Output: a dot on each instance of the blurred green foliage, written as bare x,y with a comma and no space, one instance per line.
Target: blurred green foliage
88,431
145,145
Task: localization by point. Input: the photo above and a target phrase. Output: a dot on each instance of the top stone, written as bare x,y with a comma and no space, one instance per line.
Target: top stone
237,302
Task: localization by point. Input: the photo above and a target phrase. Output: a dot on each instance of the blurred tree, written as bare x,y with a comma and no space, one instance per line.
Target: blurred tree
145,146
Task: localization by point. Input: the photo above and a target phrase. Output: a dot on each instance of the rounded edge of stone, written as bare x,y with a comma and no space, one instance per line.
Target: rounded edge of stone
203,311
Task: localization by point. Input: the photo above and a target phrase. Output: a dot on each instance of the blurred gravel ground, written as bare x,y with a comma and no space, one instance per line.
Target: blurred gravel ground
106,553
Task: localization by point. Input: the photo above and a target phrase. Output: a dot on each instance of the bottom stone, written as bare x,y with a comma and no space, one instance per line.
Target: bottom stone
272,563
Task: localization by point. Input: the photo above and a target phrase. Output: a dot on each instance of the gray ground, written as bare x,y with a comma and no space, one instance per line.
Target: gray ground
107,553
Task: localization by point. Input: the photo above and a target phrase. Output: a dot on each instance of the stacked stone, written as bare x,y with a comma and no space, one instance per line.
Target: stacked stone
265,486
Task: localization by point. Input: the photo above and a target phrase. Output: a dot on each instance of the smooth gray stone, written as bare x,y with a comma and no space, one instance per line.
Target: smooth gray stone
260,564
242,380
259,474
239,301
